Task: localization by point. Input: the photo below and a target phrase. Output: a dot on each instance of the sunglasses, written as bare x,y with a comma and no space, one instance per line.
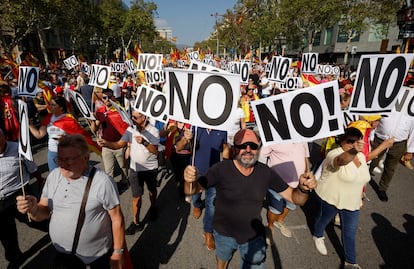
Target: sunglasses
252,146
106,97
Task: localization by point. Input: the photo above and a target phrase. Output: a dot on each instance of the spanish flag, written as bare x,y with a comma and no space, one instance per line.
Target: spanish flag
310,79
71,126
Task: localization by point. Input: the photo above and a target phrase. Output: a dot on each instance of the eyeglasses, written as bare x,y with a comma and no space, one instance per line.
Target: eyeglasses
252,146
67,160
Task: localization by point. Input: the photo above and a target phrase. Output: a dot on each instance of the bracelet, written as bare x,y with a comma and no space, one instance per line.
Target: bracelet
145,143
118,251
303,191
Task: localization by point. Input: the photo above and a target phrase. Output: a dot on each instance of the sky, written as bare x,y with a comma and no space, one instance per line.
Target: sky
190,20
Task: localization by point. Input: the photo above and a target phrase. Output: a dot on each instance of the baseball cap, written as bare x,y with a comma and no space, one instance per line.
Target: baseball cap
244,136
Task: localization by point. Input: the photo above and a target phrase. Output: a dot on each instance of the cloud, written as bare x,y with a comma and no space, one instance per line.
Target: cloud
160,23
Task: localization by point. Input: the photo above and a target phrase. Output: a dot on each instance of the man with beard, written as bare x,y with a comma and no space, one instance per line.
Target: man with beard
241,184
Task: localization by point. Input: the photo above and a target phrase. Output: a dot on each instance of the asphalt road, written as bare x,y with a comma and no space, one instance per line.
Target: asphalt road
385,236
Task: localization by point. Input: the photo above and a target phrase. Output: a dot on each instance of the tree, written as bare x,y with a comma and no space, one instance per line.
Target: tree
139,25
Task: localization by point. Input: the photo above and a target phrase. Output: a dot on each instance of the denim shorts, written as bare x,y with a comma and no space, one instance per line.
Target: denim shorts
277,202
253,252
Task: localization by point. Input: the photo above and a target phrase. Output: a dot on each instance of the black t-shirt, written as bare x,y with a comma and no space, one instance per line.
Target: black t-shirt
240,198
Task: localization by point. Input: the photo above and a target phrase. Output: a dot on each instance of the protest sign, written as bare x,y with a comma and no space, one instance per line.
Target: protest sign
24,141
99,76
85,68
194,56
28,81
309,62
279,69
197,66
204,99
82,105
71,62
328,69
130,67
152,103
299,116
154,77
149,62
378,82
405,101
243,69
117,67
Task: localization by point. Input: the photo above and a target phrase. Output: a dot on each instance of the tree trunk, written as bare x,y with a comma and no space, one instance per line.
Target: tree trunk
41,36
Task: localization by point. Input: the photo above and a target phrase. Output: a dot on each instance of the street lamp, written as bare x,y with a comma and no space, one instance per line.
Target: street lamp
216,15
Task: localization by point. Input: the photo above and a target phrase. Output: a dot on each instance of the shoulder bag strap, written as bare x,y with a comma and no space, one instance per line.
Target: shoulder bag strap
81,218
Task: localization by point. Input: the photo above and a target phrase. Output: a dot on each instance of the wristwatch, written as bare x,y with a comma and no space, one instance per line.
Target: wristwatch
145,143
119,251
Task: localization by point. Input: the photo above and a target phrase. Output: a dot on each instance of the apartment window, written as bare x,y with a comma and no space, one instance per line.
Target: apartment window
343,36
317,39
375,33
328,36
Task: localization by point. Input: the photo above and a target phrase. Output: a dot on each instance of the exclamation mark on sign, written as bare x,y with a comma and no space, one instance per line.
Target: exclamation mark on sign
159,60
330,102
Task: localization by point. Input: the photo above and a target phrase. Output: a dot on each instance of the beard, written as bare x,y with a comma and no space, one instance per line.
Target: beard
247,159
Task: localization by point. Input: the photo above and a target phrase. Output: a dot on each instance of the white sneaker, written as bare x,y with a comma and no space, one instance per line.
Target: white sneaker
377,170
283,228
320,245
337,220
381,164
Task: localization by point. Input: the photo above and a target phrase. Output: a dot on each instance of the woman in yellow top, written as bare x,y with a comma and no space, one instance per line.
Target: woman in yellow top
344,176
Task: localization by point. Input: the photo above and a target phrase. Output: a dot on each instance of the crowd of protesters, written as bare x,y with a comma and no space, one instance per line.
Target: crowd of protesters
135,149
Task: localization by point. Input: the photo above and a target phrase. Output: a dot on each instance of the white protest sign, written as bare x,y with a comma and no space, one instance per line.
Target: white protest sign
99,76
71,62
130,66
197,66
181,63
82,105
300,116
194,56
24,141
279,69
328,69
309,62
152,103
153,77
204,99
28,80
349,117
208,59
85,68
243,69
117,67
405,101
149,62
292,83
378,82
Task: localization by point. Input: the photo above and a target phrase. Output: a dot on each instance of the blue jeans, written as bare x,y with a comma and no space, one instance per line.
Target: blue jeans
253,252
51,163
349,225
277,202
209,207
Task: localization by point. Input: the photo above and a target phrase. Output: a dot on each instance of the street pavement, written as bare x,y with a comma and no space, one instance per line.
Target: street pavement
385,237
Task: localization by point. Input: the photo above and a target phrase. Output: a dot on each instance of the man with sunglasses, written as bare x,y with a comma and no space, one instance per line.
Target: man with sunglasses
142,141
110,126
241,184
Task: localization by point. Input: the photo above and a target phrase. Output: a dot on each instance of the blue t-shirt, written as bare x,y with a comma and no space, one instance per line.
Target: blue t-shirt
209,145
